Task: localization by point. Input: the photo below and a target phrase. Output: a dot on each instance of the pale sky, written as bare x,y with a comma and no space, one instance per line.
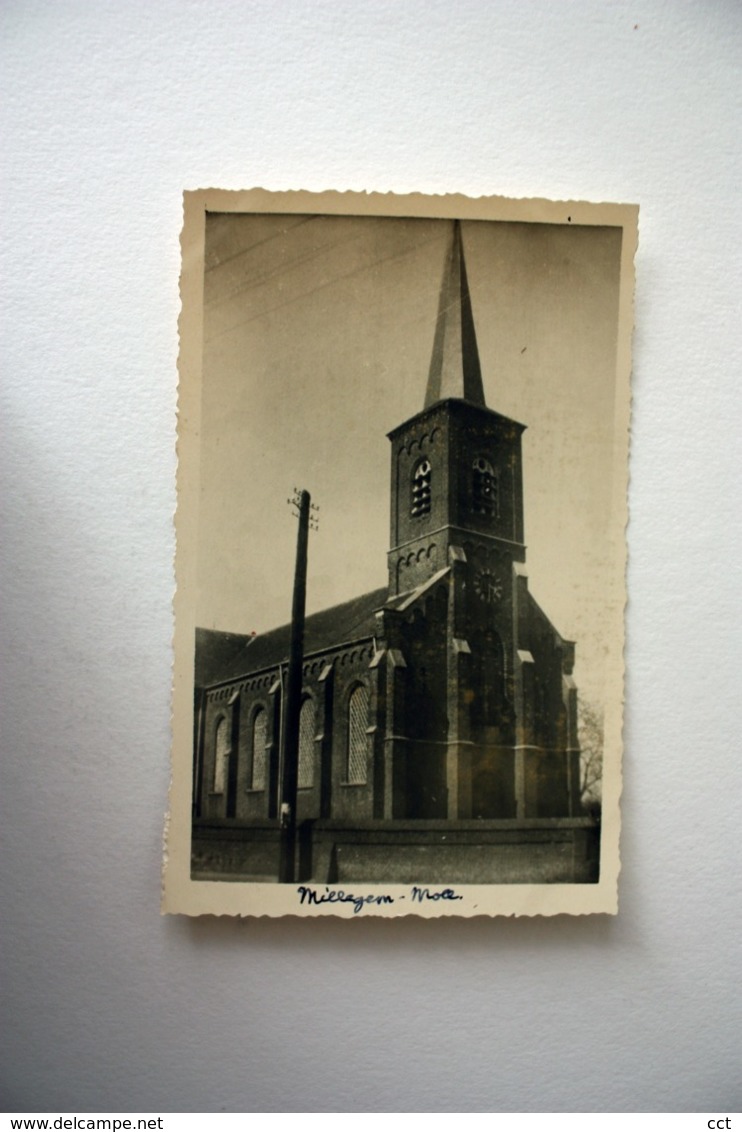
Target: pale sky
317,339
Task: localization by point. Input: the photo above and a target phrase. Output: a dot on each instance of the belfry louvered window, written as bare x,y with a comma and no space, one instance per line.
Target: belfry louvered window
306,744
357,734
485,488
421,489
259,740
221,755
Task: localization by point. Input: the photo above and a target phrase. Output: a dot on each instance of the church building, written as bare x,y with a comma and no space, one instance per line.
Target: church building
438,720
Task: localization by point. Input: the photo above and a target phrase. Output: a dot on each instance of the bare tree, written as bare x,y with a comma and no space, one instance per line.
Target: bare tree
590,735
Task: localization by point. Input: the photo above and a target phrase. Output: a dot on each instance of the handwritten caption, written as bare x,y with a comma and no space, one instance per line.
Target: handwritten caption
417,895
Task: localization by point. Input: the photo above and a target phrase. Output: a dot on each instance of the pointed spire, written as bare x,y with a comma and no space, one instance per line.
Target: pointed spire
454,366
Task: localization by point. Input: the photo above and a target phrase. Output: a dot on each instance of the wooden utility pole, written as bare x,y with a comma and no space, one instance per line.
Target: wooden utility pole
290,737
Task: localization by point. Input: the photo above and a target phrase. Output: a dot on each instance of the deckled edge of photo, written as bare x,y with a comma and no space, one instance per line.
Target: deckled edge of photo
181,894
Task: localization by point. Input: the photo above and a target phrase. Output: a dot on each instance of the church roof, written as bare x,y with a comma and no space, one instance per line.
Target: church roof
214,650
454,365
350,621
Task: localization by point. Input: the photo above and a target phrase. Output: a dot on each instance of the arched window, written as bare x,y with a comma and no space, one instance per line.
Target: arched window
221,755
306,744
259,740
420,503
357,734
485,492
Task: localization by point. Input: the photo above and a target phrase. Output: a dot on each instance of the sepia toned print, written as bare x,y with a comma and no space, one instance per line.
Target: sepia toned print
399,618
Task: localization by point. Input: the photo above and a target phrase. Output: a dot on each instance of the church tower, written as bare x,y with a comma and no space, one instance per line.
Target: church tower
457,465
485,729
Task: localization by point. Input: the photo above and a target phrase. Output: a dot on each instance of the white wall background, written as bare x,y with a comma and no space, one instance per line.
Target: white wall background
110,111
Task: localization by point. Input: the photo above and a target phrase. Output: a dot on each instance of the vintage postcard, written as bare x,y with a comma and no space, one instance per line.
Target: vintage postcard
403,462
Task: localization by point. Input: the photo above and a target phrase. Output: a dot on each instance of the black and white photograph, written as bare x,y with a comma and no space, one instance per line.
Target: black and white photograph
370,562
399,619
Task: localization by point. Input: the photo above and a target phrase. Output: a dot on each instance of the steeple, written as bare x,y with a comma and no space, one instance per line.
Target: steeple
454,366
456,480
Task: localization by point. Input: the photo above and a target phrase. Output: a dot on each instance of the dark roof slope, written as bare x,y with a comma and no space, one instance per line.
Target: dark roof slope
350,621
214,649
